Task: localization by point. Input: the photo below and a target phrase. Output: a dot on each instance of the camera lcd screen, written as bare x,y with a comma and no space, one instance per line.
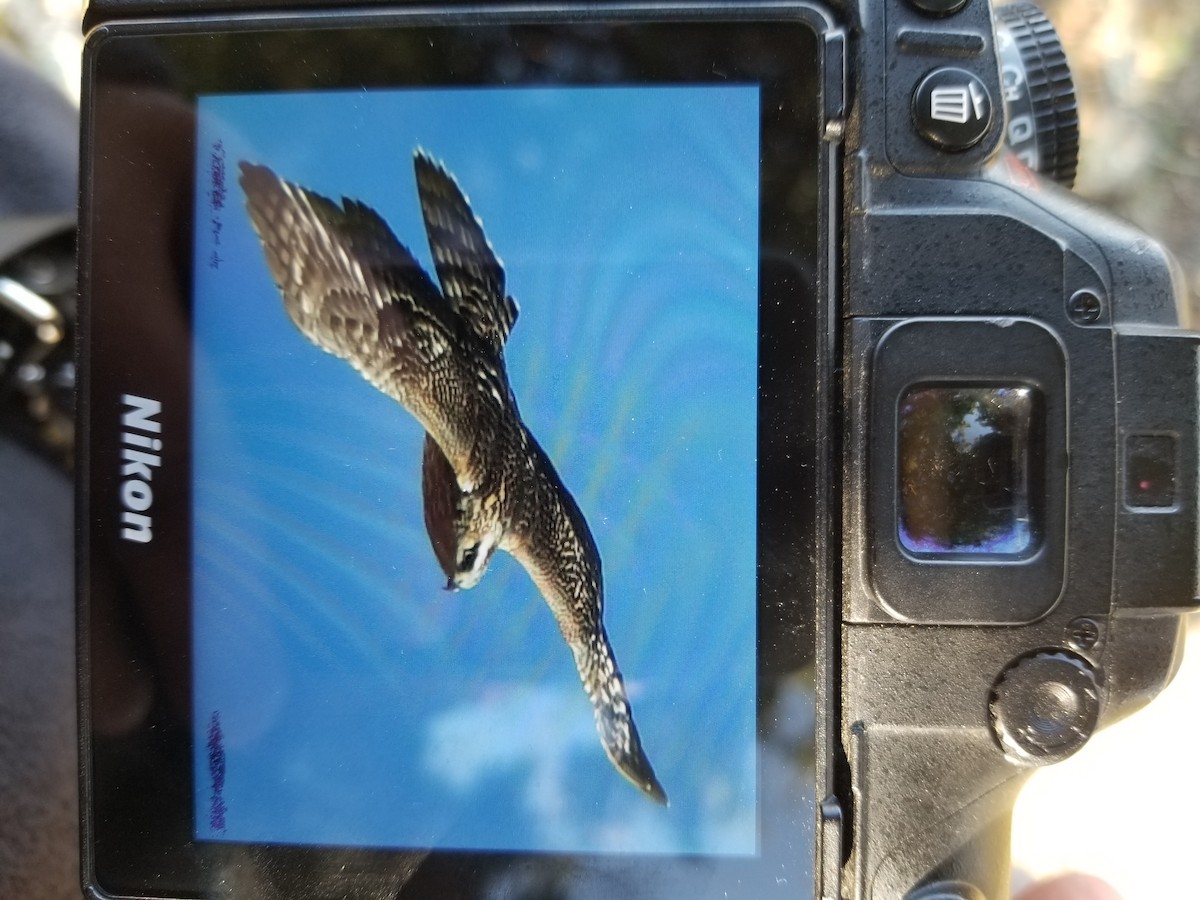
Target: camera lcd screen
353,699
460,377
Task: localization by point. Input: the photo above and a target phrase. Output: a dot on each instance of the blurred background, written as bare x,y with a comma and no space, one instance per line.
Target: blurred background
1137,76
1124,806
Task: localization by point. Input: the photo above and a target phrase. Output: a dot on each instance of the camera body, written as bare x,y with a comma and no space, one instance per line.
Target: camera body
1112,602
976,440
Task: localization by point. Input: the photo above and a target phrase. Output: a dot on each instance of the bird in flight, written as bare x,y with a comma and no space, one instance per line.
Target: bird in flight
355,291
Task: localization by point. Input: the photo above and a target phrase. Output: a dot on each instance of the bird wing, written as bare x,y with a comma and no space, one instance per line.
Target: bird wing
550,538
471,275
472,280
355,291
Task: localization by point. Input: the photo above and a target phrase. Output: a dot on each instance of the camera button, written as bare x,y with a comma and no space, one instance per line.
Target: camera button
952,108
938,7
1045,706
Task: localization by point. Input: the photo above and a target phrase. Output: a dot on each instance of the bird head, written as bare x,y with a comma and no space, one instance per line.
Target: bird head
471,559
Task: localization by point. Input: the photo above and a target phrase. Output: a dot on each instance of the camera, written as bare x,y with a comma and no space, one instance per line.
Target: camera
609,449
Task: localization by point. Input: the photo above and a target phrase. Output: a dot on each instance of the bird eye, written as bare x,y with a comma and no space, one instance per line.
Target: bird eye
468,558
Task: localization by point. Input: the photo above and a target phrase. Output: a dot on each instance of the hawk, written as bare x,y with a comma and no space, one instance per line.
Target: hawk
355,291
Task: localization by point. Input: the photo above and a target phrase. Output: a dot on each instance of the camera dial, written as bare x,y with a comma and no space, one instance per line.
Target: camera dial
1039,94
1045,706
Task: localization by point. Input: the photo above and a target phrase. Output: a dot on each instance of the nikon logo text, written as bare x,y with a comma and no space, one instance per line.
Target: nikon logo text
139,459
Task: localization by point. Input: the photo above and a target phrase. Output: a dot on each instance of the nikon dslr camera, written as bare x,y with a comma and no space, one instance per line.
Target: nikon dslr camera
633,450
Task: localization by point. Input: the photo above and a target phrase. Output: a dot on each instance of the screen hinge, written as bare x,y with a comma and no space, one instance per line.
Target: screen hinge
833,91
829,849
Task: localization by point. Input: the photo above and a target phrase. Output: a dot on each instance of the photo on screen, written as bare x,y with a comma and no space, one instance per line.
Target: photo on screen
343,695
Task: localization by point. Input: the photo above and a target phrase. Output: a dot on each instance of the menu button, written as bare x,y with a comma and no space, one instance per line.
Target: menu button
952,108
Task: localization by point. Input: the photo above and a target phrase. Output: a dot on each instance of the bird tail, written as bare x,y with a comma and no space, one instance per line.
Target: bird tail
614,719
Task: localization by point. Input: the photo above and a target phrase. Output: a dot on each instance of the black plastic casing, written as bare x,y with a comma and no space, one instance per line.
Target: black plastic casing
971,250
139,833
974,240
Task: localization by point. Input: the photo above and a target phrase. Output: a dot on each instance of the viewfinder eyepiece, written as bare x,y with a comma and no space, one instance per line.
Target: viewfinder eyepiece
969,473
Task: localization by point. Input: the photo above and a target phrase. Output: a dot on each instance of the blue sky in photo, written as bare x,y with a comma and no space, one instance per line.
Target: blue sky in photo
360,703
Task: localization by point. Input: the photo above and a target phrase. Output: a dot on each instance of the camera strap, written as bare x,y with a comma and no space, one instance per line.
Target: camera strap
37,323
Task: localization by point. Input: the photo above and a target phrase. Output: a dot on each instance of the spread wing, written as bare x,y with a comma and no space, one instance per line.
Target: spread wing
472,280
354,290
550,538
472,277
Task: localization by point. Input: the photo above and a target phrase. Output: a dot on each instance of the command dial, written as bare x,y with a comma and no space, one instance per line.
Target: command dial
1039,94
